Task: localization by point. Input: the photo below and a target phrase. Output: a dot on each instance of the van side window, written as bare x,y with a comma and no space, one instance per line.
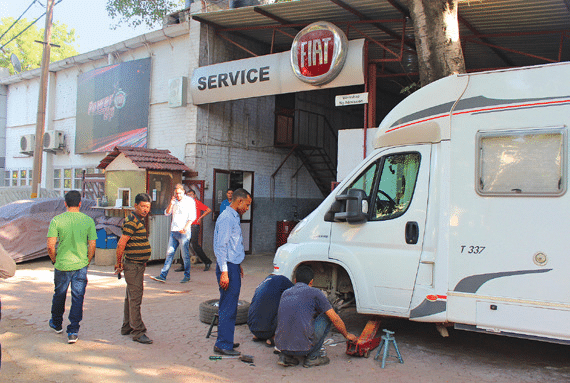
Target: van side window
396,185
517,162
365,181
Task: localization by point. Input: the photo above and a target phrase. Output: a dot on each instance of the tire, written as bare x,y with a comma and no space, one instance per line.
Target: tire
209,308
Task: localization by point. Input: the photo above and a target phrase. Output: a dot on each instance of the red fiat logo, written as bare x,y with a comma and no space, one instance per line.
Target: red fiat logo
318,53
315,52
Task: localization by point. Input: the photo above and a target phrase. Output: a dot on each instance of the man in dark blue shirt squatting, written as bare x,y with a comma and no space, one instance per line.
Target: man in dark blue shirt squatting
262,315
303,321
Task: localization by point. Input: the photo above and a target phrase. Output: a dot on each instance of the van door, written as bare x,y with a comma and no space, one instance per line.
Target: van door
383,253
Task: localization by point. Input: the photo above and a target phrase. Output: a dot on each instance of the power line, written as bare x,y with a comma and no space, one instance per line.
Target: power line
14,23
35,21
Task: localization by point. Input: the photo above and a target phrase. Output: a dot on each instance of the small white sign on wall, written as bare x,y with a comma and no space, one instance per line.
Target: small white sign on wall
351,99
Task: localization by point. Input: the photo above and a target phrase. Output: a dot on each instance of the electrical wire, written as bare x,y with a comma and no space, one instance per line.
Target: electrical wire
35,21
14,23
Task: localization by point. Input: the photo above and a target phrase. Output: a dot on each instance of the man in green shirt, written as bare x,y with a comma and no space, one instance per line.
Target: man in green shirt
77,236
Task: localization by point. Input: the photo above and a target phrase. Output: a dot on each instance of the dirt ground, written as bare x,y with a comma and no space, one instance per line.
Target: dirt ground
31,351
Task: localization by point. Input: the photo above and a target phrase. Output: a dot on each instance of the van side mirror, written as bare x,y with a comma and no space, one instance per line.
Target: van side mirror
356,206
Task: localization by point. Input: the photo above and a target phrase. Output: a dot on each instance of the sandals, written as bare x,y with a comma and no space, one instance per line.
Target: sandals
270,344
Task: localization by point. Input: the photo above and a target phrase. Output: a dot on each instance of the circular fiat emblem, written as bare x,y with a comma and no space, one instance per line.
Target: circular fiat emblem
318,53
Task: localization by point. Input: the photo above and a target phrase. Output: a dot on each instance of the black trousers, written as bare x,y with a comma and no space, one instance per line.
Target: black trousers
195,231
195,236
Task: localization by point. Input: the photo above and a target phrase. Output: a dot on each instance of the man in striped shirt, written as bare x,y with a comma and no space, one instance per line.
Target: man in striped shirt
133,251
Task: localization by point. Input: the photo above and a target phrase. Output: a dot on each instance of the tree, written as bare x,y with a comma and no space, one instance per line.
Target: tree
436,31
28,51
136,12
151,12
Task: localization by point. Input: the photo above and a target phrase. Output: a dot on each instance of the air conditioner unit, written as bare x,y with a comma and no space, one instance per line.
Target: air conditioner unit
54,140
27,143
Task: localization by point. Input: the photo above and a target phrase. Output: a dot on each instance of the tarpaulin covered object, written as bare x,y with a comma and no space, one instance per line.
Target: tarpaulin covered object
24,225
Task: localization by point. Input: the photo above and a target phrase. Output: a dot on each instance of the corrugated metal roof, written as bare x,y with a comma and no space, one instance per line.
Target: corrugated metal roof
503,24
154,159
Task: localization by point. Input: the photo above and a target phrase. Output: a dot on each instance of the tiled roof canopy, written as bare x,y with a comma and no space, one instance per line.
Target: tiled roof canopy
153,159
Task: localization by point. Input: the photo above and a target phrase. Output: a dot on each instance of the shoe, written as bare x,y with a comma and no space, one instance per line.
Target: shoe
158,279
236,345
58,330
287,361
318,361
221,351
143,339
207,266
72,337
181,268
185,279
126,332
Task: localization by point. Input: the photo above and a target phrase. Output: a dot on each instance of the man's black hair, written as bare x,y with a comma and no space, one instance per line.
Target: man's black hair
240,193
304,274
142,197
72,198
229,190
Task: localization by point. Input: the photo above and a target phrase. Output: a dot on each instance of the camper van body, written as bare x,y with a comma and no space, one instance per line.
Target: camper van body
461,213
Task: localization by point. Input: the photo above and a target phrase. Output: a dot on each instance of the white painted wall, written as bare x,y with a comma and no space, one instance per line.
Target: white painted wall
351,149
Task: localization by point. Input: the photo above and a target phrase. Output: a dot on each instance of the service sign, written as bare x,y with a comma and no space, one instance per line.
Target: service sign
273,74
318,53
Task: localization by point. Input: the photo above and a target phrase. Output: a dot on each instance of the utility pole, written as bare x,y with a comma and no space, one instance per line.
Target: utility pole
41,116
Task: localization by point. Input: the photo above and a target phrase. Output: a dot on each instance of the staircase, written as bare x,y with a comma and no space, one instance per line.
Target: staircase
311,138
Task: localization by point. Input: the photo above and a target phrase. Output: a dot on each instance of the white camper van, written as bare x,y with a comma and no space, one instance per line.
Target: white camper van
461,214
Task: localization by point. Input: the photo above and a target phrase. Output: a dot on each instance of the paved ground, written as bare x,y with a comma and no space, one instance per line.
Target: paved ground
33,352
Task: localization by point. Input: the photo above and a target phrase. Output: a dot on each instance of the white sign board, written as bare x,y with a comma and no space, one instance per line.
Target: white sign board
266,75
351,99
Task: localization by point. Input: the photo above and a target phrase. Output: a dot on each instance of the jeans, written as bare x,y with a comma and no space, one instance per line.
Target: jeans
227,309
322,326
62,280
177,239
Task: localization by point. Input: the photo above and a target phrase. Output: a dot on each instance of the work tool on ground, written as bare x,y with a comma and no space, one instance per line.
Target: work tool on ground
366,342
388,340
244,358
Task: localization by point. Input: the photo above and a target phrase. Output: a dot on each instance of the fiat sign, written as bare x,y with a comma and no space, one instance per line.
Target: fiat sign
318,53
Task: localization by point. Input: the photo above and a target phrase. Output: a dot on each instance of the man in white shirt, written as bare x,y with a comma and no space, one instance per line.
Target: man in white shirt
183,210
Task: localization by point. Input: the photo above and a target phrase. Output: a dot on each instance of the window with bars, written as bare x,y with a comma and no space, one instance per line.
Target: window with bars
19,177
66,179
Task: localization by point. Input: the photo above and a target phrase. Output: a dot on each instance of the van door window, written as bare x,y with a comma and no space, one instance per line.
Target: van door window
396,185
365,181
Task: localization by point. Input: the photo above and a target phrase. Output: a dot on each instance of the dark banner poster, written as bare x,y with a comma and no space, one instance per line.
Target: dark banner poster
112,107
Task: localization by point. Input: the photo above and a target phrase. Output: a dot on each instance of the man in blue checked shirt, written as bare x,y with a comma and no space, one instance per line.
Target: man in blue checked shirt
229,250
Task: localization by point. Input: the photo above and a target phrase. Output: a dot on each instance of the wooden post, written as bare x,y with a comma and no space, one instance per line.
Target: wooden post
41,116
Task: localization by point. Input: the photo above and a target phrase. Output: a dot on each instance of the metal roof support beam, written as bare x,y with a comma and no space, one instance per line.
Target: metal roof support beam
280,20
397,56
562,35
403,10
485,40
219,29
474,39
361,16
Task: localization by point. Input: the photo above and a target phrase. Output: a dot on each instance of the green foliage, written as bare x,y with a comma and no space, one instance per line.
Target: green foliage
137,12
28,51
407,90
